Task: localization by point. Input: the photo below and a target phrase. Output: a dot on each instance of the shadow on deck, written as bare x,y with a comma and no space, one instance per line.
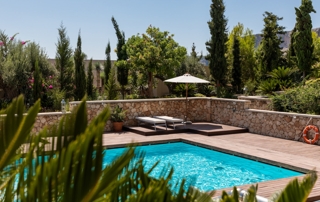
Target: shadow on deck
203,128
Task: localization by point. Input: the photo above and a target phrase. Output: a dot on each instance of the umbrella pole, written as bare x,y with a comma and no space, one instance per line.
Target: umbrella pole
186,116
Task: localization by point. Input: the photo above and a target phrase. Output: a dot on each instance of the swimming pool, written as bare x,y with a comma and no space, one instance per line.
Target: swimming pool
204,168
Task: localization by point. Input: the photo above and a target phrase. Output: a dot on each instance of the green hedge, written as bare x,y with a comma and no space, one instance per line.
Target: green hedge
303,99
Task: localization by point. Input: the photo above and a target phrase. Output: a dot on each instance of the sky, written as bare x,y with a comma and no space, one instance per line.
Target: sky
39,20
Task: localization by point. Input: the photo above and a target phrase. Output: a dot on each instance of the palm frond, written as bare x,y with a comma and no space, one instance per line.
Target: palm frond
298,191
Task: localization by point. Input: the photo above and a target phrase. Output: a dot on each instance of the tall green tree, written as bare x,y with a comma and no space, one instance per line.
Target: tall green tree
107,64
155,54
216,46
236,66
90,89
122,67
37,83
111,86
247,52
80,75
302,37
271,54
64,62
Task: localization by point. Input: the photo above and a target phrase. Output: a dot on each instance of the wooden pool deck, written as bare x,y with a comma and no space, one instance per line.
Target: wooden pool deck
285,153
202,128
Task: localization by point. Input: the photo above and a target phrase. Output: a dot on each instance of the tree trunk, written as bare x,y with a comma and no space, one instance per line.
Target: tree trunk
150,90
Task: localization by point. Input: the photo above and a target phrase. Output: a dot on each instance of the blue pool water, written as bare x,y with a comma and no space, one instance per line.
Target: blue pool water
204,168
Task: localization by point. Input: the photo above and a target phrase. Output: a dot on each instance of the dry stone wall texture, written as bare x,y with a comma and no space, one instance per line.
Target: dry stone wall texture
258,102
221,111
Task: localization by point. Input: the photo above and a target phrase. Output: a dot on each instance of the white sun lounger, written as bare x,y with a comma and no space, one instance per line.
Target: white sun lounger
171,120
151,120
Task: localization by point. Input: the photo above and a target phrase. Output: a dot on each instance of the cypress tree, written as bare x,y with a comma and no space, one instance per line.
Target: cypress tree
37,83
111,86
80,76
271,54
216,46
64,62
236,65
291,56
90,80
123,70
302,38
107,64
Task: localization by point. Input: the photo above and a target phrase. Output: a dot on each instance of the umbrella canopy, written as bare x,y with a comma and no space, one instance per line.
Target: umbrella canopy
186,78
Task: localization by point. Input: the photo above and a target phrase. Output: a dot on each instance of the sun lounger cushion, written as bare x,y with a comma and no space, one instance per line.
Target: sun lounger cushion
150,120
169,119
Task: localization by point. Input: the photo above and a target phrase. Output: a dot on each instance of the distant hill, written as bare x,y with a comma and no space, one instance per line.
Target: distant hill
285,37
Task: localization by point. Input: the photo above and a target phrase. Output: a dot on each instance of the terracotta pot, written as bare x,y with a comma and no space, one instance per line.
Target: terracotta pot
117,126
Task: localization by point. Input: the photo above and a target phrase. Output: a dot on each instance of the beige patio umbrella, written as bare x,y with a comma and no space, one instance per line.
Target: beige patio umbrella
186,78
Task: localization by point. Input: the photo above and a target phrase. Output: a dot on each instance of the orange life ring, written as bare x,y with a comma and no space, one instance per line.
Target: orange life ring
305,132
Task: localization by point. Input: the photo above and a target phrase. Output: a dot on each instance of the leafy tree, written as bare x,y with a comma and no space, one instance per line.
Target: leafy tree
271,54
64,62
247,52
111,86
302,37
316,45
236,70
155,54
80,76
37,84
191,64
216,46
17,64
122,68
90,89
107,64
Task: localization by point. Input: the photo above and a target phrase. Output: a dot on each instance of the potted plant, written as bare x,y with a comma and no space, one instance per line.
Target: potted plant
117,117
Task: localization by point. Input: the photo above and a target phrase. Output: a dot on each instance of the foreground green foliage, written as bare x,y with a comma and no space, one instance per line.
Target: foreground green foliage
69,166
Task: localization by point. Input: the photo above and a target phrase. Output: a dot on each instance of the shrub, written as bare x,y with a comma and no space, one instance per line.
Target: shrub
199,95
207,89
226,92
132,96
180,89
267,86
250,87
303,99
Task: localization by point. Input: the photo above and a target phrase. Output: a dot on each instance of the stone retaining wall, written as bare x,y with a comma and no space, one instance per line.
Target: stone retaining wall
224,111
175,107
46,119
271,123
258,102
